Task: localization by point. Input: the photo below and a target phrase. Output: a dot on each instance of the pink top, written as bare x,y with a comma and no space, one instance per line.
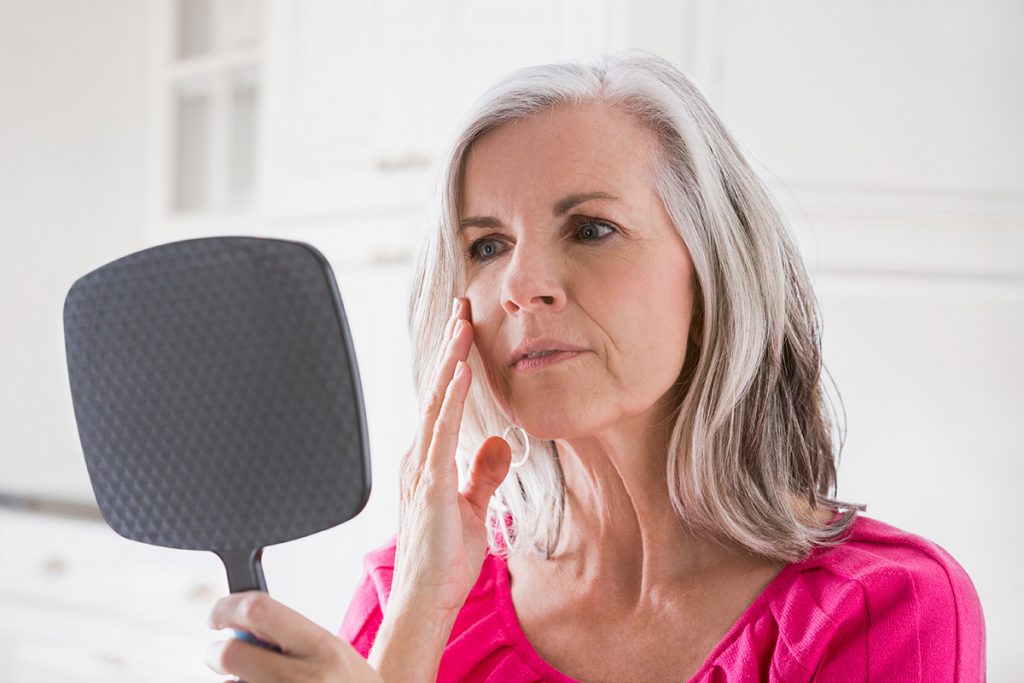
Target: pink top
886,605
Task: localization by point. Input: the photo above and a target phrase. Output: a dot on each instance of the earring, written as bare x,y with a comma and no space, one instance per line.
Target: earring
526,441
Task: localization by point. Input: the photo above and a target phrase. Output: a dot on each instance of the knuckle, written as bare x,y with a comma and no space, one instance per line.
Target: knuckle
410,490
407,492
438,432
415,507
407,460
252,606
332,653
405,475
408,469
227,658
223,604
435,399
443,427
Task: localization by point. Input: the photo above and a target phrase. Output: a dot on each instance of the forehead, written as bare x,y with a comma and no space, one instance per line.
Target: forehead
552,153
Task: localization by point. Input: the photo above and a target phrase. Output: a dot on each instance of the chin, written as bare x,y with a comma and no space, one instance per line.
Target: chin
548,410
550,424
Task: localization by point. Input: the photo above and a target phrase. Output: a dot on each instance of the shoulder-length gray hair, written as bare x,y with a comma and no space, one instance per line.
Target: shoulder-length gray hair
752,437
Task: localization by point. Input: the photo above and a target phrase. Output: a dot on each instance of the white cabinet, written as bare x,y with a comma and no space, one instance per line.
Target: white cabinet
343,134
80,604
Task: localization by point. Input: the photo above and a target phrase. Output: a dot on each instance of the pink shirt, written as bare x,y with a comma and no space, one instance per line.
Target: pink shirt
886,605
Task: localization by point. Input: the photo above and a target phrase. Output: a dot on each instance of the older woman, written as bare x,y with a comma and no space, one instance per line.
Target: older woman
630,312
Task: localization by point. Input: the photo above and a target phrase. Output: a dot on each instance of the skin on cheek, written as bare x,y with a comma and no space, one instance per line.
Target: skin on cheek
646,331
484,316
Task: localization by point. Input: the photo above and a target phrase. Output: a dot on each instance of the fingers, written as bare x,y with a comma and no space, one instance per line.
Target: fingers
456,349
338,661
458,313
251,663
445,436
452,319
310,652
489,468
268,620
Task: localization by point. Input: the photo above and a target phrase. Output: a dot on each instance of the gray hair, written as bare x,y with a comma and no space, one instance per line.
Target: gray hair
752,435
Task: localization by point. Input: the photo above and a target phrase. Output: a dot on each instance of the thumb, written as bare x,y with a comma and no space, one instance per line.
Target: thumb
489,467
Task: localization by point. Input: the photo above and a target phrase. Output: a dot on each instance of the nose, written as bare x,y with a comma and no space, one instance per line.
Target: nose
532,281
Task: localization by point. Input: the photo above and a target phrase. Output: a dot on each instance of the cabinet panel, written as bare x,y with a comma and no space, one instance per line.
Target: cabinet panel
80,603
329,93
873,94
363,96
929,371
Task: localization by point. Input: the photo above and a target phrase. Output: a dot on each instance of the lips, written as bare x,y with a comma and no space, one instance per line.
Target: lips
541,344
545,360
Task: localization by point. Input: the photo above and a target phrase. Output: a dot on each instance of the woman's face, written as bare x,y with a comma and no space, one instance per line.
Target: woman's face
610,276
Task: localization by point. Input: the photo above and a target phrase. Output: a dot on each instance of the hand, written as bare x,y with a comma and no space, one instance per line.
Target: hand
442,533
310,653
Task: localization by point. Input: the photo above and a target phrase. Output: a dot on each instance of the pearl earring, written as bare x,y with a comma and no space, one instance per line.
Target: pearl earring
526,442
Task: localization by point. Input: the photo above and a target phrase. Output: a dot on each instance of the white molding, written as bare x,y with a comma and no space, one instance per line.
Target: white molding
214,74
937,200
212,66
158,184
908,232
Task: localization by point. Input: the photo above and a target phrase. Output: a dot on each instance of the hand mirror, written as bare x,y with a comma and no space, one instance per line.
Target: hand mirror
217,398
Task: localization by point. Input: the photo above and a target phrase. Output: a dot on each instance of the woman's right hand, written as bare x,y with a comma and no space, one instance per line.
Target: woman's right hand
442,531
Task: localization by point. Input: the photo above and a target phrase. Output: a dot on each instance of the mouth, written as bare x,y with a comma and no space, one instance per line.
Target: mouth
539,348
544,359
543,351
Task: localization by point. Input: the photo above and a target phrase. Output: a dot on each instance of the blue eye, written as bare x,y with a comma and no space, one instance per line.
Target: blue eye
587,228
480,251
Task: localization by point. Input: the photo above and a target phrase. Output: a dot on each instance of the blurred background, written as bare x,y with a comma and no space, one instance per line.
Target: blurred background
889,131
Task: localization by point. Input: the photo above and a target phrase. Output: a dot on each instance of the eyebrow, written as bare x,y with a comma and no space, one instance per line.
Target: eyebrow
560,208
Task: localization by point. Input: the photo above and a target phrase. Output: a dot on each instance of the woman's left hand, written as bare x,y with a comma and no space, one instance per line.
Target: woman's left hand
310,653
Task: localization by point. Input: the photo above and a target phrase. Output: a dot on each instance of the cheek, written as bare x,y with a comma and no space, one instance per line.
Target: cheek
486,316
646,302
484,313
627,298
672,318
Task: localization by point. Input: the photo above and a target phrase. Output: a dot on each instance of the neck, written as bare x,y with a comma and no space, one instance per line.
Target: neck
621,538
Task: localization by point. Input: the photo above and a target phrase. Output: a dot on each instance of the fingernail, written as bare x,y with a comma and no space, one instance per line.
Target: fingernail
459,368
455,306
211,656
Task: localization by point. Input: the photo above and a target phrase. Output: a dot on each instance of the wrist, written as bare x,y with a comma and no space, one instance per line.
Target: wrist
410,641
407,599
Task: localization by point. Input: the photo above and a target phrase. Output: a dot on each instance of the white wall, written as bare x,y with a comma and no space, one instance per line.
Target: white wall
72,159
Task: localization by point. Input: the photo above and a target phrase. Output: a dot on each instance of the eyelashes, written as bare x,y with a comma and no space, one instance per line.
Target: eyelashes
474,251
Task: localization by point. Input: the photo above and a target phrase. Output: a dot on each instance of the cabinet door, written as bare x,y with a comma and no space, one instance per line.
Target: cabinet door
337,110
80,604
362,96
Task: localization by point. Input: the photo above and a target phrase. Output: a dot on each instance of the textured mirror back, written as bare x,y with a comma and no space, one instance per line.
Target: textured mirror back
217,394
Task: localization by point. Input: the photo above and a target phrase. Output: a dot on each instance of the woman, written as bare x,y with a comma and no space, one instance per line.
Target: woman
628,298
